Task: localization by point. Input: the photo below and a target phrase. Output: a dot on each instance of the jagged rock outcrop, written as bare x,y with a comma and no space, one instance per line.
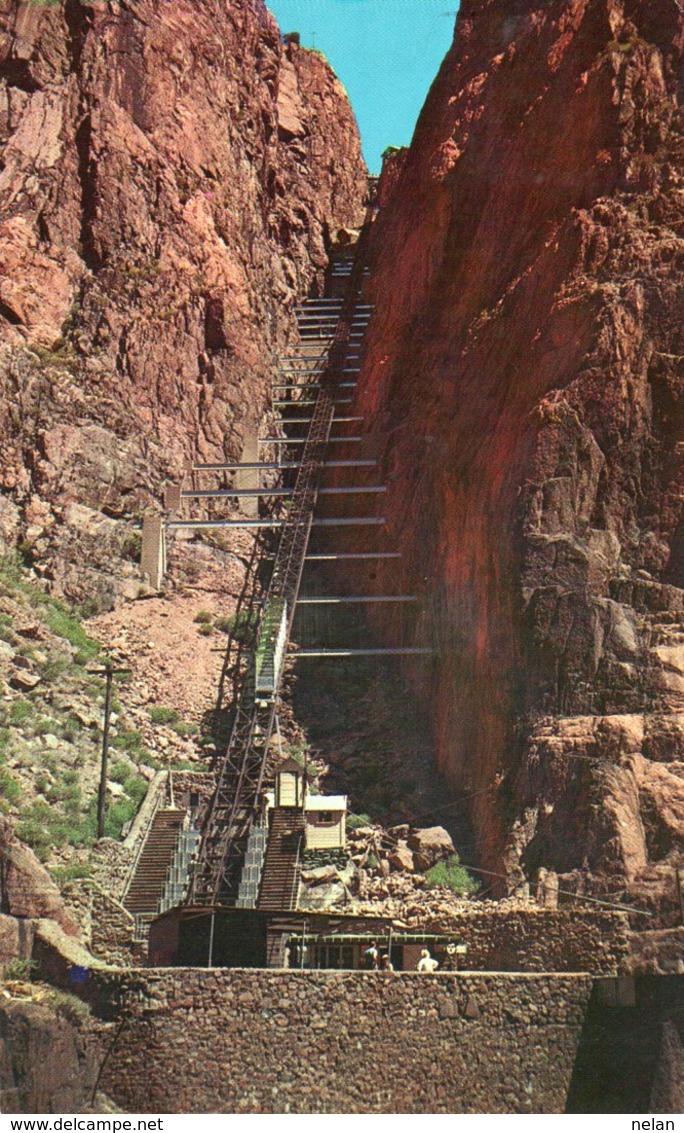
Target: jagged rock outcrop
27,893
524,381
171,175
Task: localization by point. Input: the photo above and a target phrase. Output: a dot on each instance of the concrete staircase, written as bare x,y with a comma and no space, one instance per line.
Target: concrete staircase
147,885
280,878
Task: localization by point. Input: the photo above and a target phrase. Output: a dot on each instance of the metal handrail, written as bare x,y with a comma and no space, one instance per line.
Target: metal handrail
295,879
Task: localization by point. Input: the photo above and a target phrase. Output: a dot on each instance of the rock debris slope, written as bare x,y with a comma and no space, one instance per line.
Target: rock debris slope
170,174
524,379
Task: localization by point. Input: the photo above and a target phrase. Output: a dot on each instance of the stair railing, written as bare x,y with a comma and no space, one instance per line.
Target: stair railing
294,893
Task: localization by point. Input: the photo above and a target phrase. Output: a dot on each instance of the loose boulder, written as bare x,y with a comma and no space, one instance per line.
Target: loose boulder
430,845
402,859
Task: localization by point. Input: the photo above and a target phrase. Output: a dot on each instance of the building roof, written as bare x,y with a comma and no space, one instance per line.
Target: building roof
292,766
325,802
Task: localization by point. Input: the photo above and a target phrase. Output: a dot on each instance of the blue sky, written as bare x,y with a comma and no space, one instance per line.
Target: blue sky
386,52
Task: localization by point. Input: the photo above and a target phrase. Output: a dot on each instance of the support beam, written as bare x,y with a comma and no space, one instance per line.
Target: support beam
153,556
360,653
353,599
303,440
368,521
208,524
228,493
306,401
249,477
354,555
307,420
275,464
278,464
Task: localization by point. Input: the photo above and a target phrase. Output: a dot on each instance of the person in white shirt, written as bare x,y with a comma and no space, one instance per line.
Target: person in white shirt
426,962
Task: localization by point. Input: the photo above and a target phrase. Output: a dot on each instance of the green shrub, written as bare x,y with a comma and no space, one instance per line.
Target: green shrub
128,740
19,969
58,617
203,617
117,814
45,724
9,788
120,771
356,821
160,715
36,835
184,730
42,784
70,728
54,669
206,630
20,711
242,625
71,872
136,788
66,625
452,875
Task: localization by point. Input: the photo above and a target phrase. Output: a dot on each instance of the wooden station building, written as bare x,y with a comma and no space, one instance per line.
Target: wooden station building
226,937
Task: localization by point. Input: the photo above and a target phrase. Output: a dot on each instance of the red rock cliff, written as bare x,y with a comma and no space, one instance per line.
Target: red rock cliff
168,179
524,380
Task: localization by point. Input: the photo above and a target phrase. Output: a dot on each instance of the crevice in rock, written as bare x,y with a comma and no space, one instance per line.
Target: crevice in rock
79,20
10,315
87,175
17,73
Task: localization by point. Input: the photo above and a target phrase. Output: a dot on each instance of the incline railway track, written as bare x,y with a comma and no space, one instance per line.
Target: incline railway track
234,812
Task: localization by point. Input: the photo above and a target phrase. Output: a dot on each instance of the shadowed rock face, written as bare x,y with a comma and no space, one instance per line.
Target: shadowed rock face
524,379
169,176
44,1064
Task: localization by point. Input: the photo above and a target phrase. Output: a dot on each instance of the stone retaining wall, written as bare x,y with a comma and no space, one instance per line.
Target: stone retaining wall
222,1041
541,940
108,928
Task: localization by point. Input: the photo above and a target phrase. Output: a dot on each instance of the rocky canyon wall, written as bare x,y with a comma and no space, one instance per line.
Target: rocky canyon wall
170,175
523,382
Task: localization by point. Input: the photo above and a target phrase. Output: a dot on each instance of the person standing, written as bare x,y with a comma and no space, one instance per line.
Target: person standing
370,957
427,963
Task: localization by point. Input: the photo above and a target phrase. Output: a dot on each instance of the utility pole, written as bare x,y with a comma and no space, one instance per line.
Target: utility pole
108,672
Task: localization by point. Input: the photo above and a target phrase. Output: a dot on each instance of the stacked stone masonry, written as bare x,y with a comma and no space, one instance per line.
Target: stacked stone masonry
227,1041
